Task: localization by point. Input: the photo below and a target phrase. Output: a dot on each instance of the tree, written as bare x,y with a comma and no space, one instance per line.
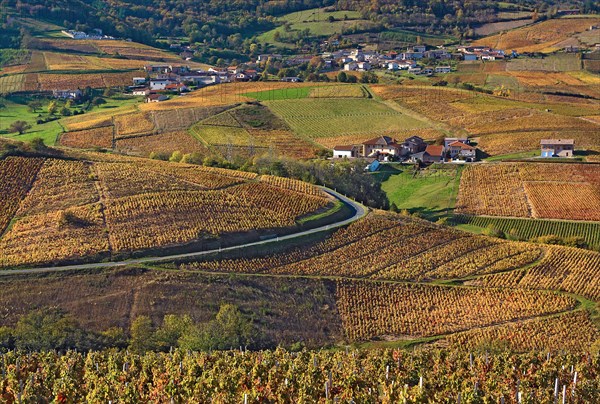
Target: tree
176,157
142,335
108,92
342,77
37,144
52,107
19,126
97,101
46,329
34,106
2,106
64,111
173,328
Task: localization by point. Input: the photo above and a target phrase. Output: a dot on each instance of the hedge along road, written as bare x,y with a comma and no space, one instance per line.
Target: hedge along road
359,212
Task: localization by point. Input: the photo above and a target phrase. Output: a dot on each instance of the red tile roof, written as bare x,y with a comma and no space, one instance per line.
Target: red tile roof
434,150
461,145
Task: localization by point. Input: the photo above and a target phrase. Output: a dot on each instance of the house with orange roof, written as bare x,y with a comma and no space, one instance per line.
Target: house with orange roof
461,151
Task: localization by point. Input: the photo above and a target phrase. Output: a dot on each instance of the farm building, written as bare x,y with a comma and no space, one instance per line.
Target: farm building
156,98
346,151
557,147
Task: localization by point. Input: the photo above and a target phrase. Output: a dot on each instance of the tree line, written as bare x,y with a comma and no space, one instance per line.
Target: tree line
53,329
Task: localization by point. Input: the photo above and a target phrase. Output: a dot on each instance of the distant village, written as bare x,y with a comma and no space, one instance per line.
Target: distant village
161,80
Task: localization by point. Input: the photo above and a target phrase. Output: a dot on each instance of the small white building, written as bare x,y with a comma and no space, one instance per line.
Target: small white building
363,66
159,84
347,151
141,91
139,80
352,66
443,69
156,98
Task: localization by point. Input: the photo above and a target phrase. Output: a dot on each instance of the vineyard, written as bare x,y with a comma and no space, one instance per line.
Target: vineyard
527,229
553,191
282,376
79,210
250,130
391,248
541,37
370,309
506,125
16,177
316,118
563,268
574,332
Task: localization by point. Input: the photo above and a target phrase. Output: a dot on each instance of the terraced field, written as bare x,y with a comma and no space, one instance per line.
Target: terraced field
82,210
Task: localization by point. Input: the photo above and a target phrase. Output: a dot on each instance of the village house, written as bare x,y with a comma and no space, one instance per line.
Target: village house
157,68
443,69
461,151
357,55
265,57
432,154
346,151
413,144
557,147
294,79
439,54
449,140
352,66
401,65
178,87
156,98
67,94
143,91
139,80
160,84
383,145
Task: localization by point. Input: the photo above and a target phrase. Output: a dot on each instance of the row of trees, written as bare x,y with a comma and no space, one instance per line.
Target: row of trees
51,328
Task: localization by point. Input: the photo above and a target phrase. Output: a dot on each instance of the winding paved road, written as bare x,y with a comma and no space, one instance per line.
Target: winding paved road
359,212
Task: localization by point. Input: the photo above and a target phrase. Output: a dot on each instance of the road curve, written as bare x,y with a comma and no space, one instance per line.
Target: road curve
359,212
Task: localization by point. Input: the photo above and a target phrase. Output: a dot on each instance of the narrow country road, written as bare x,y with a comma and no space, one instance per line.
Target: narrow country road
359,212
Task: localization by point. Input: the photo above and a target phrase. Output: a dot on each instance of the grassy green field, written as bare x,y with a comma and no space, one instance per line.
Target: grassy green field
16,109
315,117
20,112
316,20
531,228
431,192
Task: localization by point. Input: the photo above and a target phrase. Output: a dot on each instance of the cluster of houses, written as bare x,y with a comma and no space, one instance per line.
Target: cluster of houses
162,80
413,150
96,34
358,60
